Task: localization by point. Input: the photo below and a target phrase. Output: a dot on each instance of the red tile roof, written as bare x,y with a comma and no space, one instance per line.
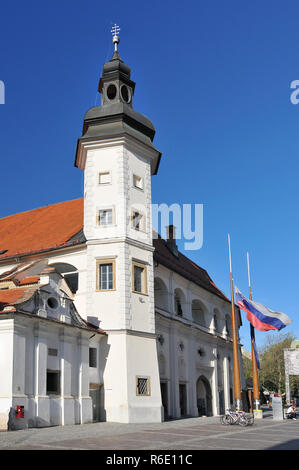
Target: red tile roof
16,296
54,226
40,229
29,280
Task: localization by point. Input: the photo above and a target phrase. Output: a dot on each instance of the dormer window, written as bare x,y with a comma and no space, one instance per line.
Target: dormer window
52,303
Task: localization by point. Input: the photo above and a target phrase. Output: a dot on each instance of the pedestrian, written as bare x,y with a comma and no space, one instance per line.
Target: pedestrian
292,412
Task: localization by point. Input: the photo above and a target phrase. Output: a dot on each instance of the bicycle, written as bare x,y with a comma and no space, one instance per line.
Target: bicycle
236,417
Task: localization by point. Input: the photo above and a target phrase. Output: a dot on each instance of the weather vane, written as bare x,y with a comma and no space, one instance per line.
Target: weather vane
115,39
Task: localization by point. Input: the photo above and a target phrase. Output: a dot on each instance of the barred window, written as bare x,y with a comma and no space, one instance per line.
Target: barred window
143,386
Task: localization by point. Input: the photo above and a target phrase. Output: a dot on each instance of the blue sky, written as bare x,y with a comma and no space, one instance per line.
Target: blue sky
213,76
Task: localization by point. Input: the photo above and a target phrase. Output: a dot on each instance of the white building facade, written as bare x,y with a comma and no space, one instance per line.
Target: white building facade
147,334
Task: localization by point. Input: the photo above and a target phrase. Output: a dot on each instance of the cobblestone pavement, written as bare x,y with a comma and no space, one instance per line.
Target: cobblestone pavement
185,434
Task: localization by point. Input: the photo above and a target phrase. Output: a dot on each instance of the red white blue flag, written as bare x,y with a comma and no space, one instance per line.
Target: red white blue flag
262,318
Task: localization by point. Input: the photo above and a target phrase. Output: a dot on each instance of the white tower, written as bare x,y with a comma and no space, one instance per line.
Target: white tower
118,159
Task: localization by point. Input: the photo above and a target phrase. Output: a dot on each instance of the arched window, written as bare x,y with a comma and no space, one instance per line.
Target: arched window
70,274
216,320
178,302
161,294
198,314
228,325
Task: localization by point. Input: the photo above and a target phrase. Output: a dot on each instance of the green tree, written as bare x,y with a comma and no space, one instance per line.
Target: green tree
247,368
272,372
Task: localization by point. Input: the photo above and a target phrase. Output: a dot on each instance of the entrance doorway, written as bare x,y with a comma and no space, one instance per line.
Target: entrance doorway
204,397
164,396
96,394
183,399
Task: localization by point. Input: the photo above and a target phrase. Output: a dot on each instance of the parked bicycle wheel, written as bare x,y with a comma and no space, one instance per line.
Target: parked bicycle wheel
226,420
250,420
243,421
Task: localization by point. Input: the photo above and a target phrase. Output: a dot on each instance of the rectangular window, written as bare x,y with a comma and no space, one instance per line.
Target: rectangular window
53,382
139,278
106,274
137,220
52,352
137,182
92,357
142,386
105,177
105,217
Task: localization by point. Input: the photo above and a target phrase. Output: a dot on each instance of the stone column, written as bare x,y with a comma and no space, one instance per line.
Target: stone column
174,376
226,384
66,366
42,405
215,403
6,362
83,401
62,374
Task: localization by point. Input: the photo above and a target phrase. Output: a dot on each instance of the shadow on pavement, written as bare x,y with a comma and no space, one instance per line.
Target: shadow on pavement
288,445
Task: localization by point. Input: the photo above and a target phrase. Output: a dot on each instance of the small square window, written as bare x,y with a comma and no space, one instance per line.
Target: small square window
105,217
105,177
137,182
92,357
143,386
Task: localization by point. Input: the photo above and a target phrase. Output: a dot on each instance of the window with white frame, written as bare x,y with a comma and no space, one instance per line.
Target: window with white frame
106,275
142,386
105,217
105,177
137,182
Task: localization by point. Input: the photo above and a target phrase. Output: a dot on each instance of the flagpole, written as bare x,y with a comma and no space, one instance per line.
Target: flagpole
255,376
237,382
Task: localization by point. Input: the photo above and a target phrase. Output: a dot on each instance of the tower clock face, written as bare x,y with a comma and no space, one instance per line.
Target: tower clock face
125,94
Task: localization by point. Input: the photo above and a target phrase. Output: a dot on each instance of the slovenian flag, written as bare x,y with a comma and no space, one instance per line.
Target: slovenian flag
261,317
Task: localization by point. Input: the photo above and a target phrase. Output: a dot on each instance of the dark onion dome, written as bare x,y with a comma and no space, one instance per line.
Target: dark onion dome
116,115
